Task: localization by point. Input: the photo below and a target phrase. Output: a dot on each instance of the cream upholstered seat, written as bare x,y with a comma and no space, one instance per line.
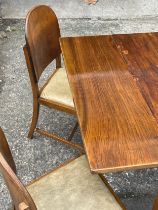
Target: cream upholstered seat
72,187
69,187
58,89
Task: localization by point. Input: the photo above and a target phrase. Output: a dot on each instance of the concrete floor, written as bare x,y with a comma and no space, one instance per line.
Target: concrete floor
35,157
107,9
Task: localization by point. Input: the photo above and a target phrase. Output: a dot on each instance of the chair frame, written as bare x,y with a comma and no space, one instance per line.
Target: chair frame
21,198
37,100
155,206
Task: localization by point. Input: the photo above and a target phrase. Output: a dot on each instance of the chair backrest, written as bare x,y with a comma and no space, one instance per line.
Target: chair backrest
42,35
155,206
20,196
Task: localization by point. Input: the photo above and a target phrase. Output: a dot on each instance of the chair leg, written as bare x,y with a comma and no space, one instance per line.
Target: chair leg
50,135
60,139
73,132
13,207
155,206
112,191
34,119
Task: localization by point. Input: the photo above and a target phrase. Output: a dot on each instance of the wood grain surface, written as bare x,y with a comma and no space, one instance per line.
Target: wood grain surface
117,123
142,60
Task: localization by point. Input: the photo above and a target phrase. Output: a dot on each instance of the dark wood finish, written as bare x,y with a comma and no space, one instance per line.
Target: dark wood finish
42,37
73,131
42,47
117,125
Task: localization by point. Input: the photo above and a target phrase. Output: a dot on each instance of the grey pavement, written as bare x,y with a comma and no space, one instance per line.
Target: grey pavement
35,157
108,9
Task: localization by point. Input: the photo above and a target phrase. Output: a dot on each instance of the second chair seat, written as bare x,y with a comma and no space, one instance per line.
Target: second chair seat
57,89
72,187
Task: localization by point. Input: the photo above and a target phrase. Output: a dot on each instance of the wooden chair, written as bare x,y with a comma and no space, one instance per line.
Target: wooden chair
42,46
70,186
155,206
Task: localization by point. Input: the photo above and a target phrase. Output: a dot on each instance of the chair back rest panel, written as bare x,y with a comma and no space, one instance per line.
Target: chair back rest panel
32,75
5,151
42,37
18,192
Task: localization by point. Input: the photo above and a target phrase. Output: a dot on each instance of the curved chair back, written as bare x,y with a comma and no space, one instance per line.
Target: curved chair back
5,151
42,35
20,197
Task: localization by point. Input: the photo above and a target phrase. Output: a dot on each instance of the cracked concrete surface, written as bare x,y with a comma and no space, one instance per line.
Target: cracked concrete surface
35,157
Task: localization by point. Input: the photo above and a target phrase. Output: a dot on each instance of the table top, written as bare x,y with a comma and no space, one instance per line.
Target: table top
114,83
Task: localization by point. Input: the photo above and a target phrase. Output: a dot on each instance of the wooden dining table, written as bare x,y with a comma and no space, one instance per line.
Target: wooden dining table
114,84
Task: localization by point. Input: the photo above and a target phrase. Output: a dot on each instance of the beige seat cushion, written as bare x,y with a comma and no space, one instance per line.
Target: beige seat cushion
72,187
58,89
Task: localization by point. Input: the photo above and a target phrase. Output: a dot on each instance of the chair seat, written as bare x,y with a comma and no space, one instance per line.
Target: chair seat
58,90
72,187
